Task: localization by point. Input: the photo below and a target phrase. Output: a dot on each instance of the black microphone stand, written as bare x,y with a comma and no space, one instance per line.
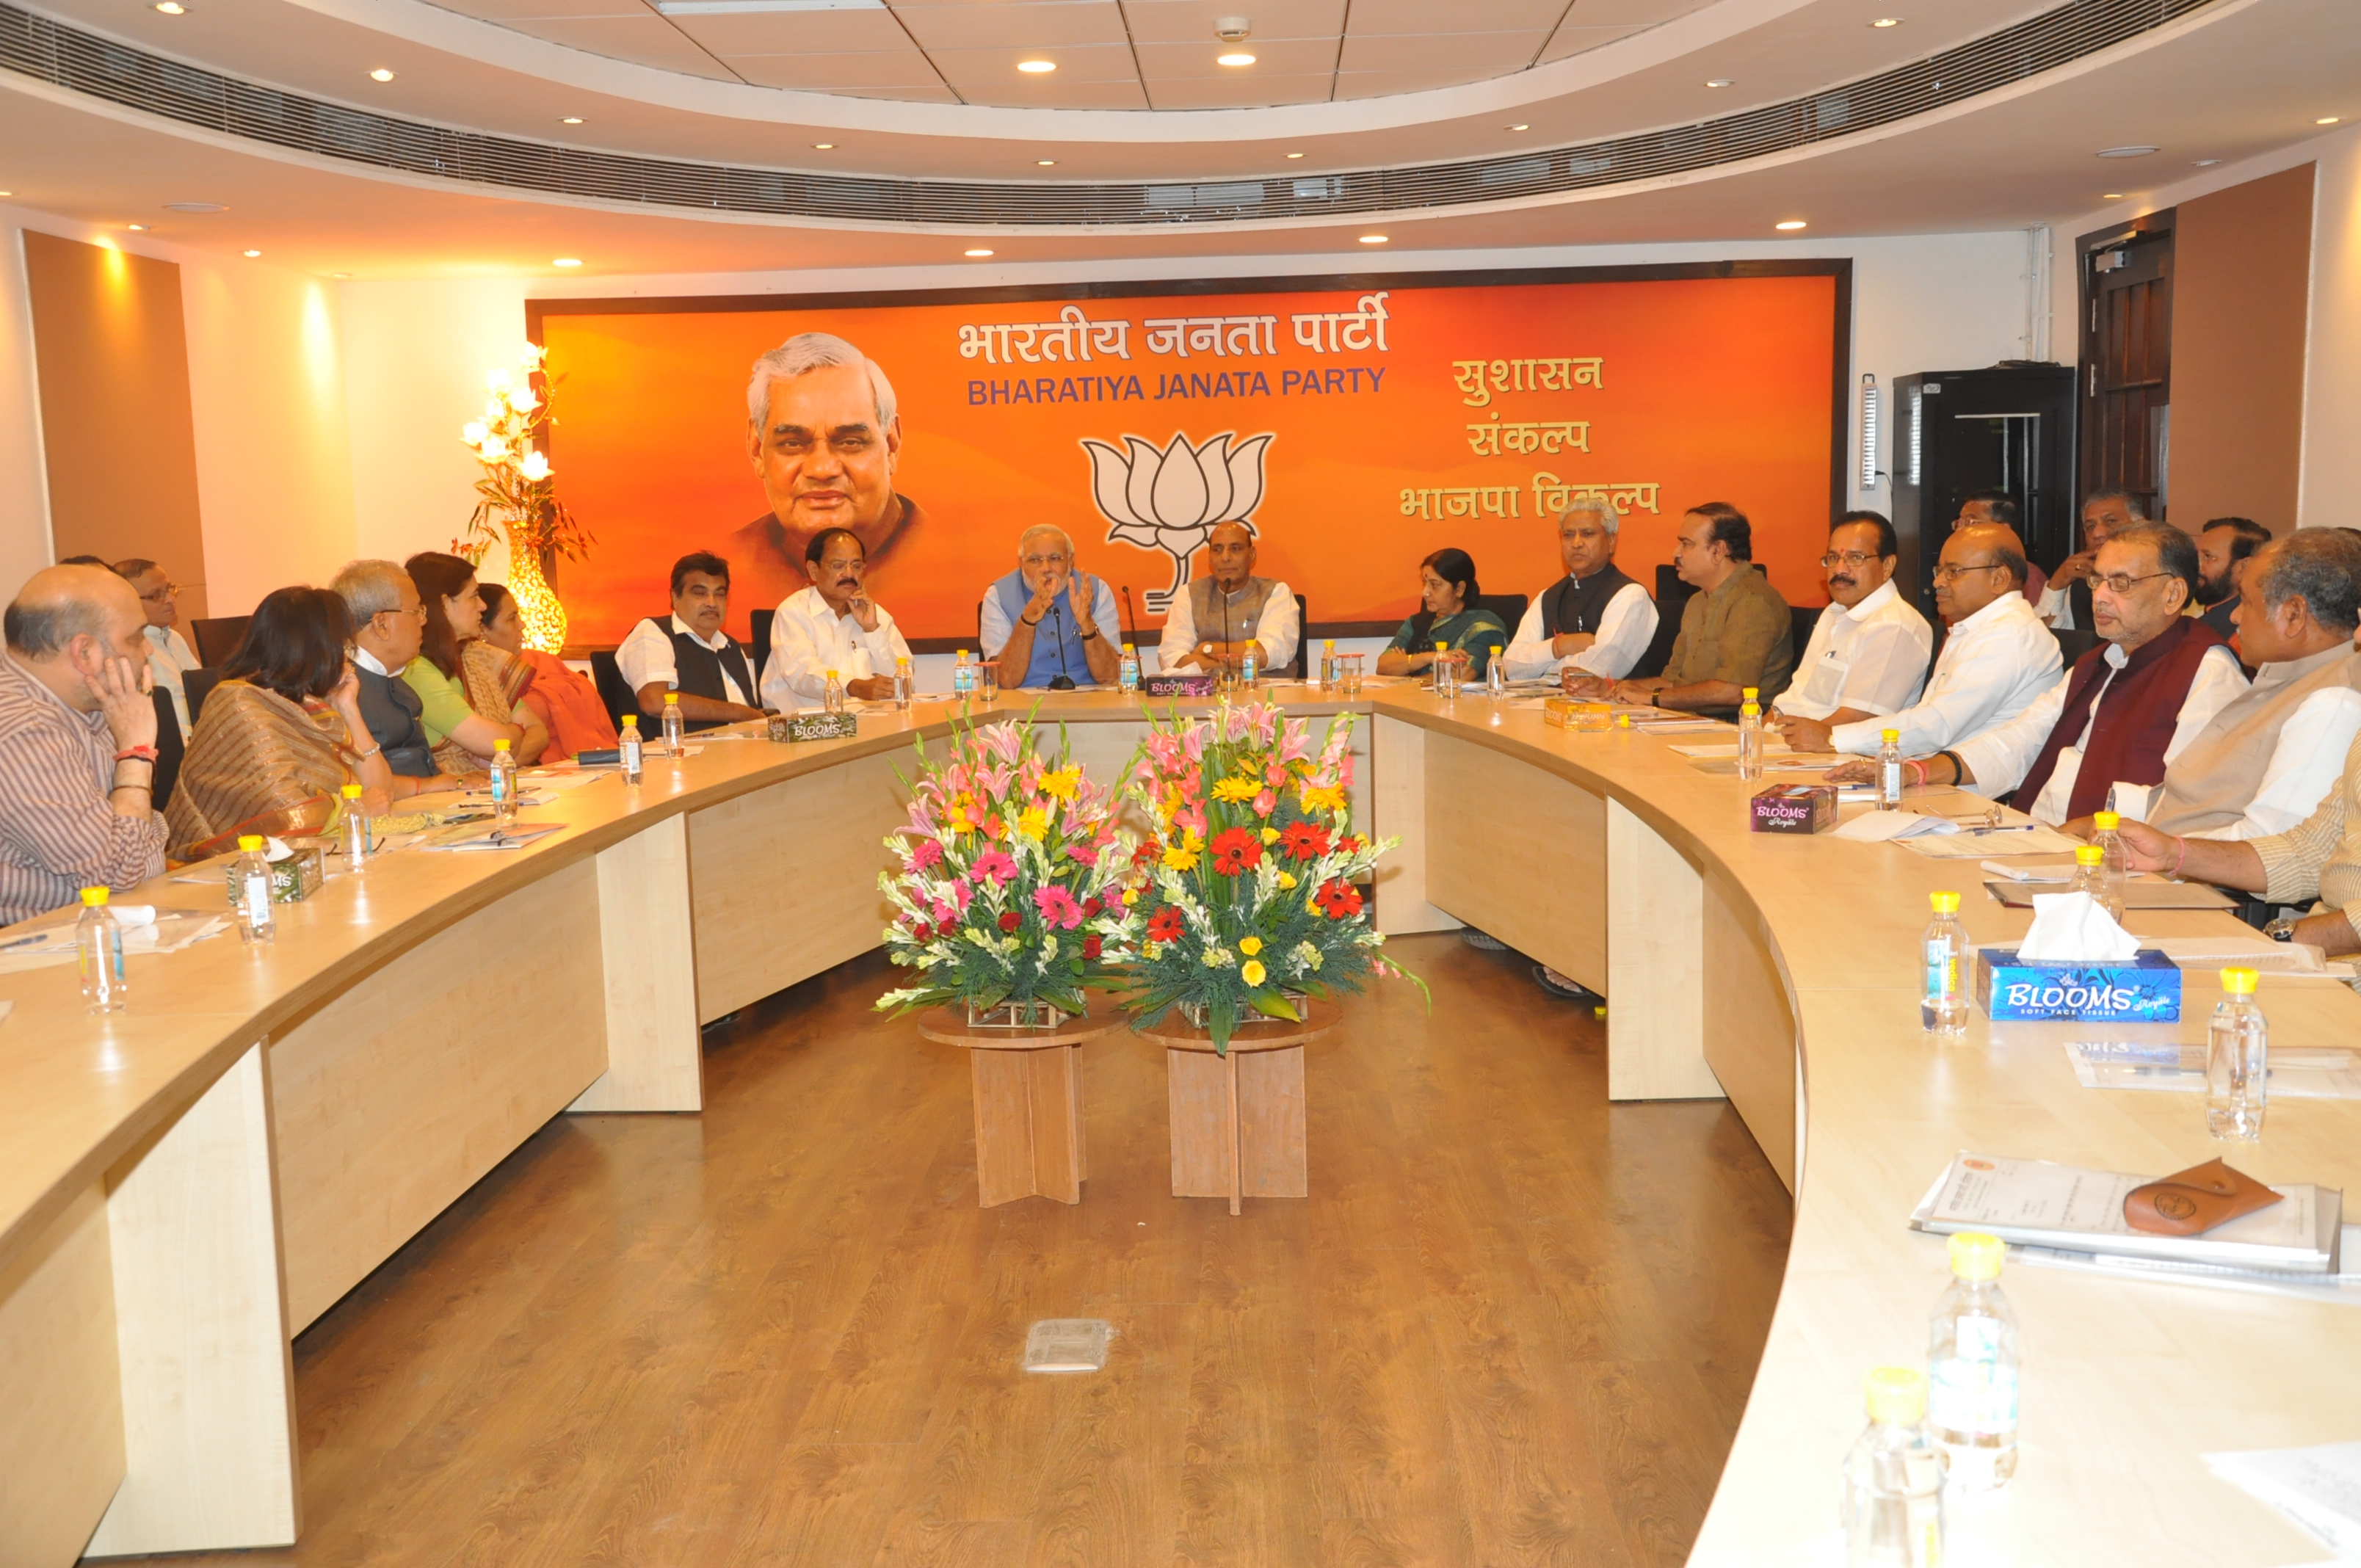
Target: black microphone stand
1064,680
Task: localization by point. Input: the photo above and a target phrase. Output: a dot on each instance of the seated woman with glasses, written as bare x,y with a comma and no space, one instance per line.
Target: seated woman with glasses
472,691
566,703
1472,636
274,746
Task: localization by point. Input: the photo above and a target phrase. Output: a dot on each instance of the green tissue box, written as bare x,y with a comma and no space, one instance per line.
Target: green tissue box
292,879
793,727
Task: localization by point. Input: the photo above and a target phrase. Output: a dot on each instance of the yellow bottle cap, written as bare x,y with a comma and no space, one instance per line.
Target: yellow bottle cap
1977,1257
249,842
671,698
631,721
1324,642
831,674
500,745
1889,734
2239,982
962,652
1442,647
1128,648
2106,821
1897,1395
352,792
94,897
2088,855
1750,693
1944,903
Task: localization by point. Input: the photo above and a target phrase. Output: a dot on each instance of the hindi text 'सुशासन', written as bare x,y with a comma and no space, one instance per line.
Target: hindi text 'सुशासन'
1074,338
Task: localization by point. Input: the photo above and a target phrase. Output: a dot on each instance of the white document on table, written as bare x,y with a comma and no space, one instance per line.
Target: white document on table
2044,1203
2319,1488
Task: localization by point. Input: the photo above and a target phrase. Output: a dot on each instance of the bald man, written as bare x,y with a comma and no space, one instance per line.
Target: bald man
1213,621
77,743
1049,621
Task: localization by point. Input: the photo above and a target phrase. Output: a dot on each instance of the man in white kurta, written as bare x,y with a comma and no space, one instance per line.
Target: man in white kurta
1867,653
831,625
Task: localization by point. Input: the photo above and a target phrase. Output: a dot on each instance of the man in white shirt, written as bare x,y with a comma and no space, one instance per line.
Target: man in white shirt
1594,619
689,653
1214,619
1868,652
2121,714
2066,603
168,656
2274,752
832,625
1996,659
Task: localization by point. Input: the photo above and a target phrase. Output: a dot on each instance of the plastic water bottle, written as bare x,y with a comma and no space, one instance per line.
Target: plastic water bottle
1894,1479
504,783
2106,833
1328,664
2091,877
1972,1369
629,745
832,698
963,677
1445,677
356,828
1943,1005
1251,664
250,882
1496,678
98,937
1128,673
675,729
2237,1061
906,684
1889,770
1750,736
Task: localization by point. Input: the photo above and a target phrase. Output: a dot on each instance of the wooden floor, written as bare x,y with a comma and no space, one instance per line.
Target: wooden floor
1513,1323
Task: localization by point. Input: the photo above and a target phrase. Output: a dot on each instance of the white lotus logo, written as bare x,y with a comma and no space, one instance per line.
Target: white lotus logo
1170,499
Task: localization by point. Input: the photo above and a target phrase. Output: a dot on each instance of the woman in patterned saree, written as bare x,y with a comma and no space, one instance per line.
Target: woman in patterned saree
273,746
470,689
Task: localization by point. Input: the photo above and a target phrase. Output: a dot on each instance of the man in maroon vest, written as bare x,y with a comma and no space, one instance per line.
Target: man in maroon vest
2128,708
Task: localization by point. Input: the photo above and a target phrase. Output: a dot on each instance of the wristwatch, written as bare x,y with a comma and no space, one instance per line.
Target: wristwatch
2281,930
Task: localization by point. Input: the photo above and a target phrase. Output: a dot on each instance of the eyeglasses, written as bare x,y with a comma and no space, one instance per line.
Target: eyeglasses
1953,573
2124,582
169,590
420,611
1856,559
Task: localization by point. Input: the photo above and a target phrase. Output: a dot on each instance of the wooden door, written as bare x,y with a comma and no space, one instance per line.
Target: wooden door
2126,370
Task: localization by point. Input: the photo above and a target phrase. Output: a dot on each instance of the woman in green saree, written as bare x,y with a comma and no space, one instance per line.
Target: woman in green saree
1472,636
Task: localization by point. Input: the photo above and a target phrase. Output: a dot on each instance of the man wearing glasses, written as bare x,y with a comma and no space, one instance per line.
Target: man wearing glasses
1997,657
1043,622
1867,653
168,656
2128,708
389,621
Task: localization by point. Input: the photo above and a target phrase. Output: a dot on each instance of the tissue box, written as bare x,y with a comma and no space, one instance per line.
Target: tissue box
1569,713
1199,683
292,879
792,727
2147,990
1794,808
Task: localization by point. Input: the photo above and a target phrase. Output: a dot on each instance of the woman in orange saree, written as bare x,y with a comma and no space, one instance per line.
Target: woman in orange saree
567,705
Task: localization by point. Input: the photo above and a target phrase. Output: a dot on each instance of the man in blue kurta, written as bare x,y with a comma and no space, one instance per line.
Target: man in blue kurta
1046,622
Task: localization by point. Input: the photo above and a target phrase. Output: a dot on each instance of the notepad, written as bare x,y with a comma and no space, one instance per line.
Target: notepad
506,836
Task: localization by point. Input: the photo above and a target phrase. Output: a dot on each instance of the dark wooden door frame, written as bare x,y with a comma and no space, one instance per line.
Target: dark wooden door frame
2099,461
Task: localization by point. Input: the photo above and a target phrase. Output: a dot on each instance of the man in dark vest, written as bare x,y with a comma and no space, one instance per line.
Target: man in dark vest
1209,625
387,623
2066,602
1594,621
689,653
1048,620
2128,708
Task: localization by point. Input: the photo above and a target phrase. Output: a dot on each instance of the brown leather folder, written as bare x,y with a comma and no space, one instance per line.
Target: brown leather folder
2192,1202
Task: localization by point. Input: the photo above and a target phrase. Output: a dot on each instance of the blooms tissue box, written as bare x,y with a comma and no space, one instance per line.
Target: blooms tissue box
2145,990
292,879
1794,808
1571,713
1199,684
792,727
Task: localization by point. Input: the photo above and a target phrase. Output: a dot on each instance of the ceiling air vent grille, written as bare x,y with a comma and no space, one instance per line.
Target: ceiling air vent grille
40,47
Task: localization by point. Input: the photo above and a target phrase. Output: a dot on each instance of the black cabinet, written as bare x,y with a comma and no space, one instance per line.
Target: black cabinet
2009,428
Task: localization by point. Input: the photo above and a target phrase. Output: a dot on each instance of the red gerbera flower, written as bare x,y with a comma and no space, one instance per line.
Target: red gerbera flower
1010,920
1091,946
1237,850
1339,900
1165,925
923,932
1304,840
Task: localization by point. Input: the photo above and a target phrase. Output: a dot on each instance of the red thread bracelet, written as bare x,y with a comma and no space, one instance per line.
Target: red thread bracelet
2182,860
1913,763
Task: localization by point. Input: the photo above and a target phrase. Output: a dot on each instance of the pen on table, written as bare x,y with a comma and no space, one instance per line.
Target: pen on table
24,942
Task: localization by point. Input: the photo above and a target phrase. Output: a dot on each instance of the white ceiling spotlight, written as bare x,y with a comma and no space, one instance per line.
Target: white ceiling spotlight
2126,151
1374,238
170,7
571,120
978,251
1233,30
1789,226
380,74
1887,22
1036,67
566,261
1718,81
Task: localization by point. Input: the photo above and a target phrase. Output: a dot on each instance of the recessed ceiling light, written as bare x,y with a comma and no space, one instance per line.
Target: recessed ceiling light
380,74
566,261
2205,162
1046,162
136,228
252,254
2327,119
823,147
1521,127
1887,22
2126,151
1374,238
978,251
2111,195
1789,225
1235,57
7,192
1718,81
1295,155
194,207
171,8
1036,67
340,275
571,120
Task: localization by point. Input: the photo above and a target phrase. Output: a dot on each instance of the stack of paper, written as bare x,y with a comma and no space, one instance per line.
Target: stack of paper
2319,1488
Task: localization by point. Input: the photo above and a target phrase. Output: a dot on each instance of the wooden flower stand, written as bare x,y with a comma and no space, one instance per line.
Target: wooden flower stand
1237,1120
1029,1103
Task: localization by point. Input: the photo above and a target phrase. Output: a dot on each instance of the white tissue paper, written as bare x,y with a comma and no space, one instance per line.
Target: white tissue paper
2070,928
1877,827
129,916
273,850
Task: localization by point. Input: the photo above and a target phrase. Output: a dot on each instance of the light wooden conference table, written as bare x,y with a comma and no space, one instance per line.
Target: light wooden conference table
187,1184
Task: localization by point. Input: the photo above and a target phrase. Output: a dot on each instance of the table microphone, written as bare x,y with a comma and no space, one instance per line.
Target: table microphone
1060,682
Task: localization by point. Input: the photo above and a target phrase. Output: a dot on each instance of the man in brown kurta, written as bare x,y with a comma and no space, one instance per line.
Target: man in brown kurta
1735,630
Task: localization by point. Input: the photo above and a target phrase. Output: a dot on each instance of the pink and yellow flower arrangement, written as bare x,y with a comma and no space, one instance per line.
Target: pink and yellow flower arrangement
1010,879
1248,895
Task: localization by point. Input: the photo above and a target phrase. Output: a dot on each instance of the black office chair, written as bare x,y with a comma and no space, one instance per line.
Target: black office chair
761,621
1510,607
1802,619
2073,643
169,750
1672,596
197,686
217,638
1295,670
608,676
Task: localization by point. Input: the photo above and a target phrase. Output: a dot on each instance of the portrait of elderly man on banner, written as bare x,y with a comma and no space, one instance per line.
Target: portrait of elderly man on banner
824,435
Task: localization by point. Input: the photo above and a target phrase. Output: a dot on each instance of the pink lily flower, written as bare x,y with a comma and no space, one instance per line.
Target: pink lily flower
1263,804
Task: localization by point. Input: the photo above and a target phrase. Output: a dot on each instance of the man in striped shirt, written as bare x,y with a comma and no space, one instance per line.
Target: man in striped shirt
77,743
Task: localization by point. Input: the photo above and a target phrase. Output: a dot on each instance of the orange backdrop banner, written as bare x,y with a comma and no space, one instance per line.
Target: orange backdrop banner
1357,425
